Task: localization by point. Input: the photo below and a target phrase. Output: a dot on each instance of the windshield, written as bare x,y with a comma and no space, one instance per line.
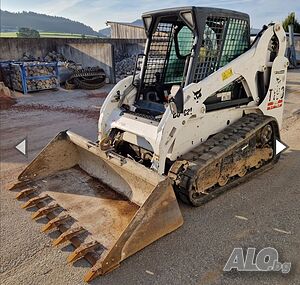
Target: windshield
180,49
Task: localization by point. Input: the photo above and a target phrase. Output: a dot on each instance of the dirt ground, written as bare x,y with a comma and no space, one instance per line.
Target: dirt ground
194,254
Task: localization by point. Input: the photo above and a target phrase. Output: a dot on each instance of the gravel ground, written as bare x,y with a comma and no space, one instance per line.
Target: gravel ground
194,254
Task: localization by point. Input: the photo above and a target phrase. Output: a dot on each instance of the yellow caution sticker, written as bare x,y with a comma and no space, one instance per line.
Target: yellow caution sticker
227,73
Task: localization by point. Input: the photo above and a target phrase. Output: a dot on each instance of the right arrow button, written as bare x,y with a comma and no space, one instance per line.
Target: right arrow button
280,146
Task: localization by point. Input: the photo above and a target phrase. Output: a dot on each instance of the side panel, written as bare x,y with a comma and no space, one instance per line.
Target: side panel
197,130
273,103
110,110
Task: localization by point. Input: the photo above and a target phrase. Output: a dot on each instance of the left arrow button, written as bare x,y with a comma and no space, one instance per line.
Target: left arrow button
22,146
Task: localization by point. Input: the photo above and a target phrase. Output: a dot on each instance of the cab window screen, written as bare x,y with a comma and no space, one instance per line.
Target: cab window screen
210,49
158,52
236,40
224,39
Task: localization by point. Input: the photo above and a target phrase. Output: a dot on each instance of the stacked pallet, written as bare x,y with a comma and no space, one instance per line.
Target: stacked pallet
33,76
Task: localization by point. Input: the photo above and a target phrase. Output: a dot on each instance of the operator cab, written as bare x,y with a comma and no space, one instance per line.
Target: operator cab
186,45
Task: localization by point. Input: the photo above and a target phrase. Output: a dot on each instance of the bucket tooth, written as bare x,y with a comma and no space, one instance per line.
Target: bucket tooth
44,211
54,223
93,272
67,235
97,270
24,193
33,201
82,250
19,185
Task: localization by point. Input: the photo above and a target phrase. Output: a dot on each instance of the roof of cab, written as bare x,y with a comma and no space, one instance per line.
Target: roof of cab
197,10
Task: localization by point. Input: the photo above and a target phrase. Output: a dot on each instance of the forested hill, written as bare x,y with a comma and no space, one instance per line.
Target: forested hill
41,22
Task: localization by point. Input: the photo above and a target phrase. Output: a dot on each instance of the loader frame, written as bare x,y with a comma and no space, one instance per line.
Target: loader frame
173,134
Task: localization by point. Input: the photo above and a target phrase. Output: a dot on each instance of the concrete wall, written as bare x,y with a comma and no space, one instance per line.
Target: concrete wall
297,46
95,54
88,52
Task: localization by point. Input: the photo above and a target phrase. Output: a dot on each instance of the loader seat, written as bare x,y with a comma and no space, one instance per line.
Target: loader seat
149,108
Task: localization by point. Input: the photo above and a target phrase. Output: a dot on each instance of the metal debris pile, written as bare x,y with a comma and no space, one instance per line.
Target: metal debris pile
51,56
124,67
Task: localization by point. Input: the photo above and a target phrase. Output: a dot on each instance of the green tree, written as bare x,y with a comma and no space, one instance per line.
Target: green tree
291,19
83,36
28,33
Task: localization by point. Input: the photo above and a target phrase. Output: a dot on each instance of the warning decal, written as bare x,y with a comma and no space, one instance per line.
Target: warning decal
227,73
274,104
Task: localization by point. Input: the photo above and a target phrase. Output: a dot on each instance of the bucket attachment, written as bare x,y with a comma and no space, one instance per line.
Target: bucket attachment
107,206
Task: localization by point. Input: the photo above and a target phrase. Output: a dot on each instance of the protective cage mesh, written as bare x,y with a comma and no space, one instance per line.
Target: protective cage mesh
236,41
210,48
162,56
157,55
223,40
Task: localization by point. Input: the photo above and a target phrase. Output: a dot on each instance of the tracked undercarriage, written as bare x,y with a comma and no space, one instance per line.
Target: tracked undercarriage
227,158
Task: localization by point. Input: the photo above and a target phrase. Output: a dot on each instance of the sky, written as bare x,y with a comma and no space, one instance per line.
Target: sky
95,13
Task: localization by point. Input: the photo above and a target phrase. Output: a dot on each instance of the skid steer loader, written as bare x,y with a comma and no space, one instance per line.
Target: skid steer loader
200,114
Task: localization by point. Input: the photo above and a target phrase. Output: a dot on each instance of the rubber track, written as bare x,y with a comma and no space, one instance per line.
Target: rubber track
216,148
95,79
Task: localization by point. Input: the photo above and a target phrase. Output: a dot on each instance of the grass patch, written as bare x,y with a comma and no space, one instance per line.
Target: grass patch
48,35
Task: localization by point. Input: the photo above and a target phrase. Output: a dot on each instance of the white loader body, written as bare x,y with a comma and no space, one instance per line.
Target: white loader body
174,136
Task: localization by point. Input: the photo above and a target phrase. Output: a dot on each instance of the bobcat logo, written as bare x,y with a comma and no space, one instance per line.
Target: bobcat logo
197,94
